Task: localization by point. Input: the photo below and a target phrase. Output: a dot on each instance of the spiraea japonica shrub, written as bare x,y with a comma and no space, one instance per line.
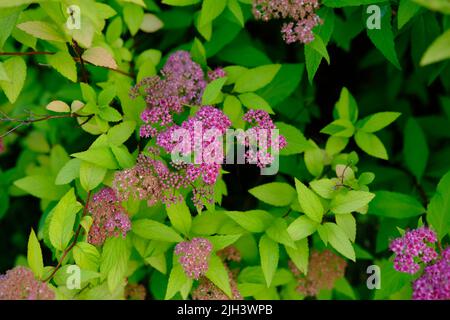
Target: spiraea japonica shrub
224,149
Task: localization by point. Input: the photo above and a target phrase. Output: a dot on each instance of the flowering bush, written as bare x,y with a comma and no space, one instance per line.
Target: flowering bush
186,149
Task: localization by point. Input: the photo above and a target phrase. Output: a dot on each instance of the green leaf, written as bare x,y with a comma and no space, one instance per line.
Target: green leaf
406,10
109,114
211,9
395,205
339,128
16,71
69,172
150,229
439,50
319,46
121,132
42,30
377,121
309,202
86,256
133,16
314,56
213,90
371,144
300,255
279,233
296,141
269,253
123,156
347,223
91,175
253,101
218,274
301,228
34,255
383,38
232,107
63,62
236,10
314,161
275,193
3,74
256,78
180,217
348,3
438,211
198,52
436,5
339,240
63,219
114,262
101,156
107,96
41,186
346,107
326,188
88,93
350,201
180,3
415,148
8,20
253,221
283,85
177,280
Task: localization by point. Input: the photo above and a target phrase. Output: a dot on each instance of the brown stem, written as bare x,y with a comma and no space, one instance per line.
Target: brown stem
31,53
77,50
69,248
112,69
29,121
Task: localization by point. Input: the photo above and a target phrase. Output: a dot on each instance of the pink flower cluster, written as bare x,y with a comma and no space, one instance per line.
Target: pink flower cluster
152,180
230,253
323,270
109,217
207,290
434,284
260,133
181,83
135,292
194,256
20,284
302,14
414,247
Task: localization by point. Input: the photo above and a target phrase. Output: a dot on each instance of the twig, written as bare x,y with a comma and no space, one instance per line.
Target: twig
69,248
28,121
31,53
77,49
111,69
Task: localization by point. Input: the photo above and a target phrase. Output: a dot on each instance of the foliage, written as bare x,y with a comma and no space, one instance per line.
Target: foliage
365,114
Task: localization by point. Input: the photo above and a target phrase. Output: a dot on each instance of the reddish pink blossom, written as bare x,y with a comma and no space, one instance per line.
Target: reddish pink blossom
20,284
109,217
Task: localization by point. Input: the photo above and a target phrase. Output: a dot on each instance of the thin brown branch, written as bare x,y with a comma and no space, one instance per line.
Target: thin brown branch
75,240
111,69
29,121
30,53
77,50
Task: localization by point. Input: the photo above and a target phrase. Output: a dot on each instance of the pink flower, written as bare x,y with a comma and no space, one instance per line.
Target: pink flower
109,217
194,256
414,247
434,284
20,284
302,14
